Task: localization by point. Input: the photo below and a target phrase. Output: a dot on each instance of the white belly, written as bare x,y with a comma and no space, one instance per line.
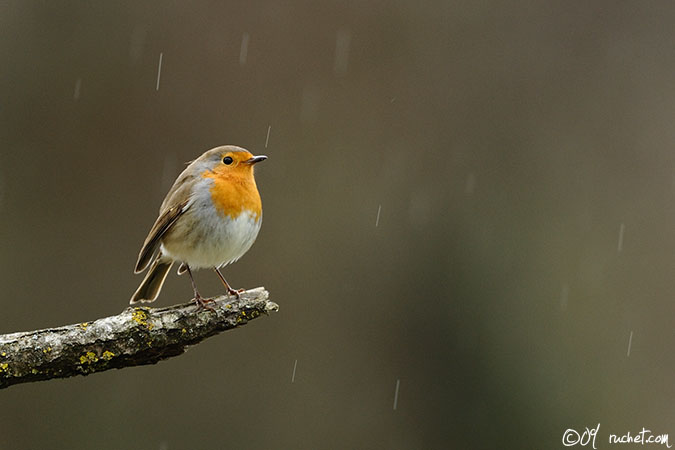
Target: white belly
203,238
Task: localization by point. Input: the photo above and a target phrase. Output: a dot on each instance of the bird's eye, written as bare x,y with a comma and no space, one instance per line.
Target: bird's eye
227,160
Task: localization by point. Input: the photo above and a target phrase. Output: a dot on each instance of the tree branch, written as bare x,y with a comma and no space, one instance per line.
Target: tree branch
137,336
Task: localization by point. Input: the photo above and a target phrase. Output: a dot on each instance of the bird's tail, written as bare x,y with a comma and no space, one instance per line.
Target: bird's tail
152,283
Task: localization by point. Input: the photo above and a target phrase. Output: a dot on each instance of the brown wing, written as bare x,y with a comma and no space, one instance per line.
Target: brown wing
161,226
172,208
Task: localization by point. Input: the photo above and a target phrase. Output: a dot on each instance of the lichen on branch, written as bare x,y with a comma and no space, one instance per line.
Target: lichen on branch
137,336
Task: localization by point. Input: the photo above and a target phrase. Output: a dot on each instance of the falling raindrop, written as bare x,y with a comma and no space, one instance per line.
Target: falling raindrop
630,343
377,220
295,366
159,70
398,383
243,52
78,84
620,245
470,183
269,128
343,40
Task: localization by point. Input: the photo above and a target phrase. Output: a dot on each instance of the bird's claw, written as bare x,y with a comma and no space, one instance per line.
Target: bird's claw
202,302
236,292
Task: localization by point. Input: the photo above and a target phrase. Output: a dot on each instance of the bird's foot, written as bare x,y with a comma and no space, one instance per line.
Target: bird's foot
235,292
203,303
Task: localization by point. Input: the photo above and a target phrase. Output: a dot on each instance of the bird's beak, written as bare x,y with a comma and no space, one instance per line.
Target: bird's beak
255,159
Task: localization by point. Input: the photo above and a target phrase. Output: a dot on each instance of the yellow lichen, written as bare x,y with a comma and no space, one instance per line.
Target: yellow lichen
33,371
84,325
3,354
183,331
88,358
107,355
46,350
140,317
228,306
3,367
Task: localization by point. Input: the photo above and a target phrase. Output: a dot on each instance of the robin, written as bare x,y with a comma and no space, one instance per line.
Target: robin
210,218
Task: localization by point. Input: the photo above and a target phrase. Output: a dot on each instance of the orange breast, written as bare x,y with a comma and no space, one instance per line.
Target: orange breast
234,193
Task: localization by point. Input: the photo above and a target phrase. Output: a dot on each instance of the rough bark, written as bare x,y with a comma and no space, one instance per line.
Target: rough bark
137,336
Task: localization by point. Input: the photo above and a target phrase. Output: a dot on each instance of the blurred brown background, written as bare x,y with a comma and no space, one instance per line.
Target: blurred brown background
521,159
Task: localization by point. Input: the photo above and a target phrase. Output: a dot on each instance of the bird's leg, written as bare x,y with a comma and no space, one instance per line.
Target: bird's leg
230,291
199,300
